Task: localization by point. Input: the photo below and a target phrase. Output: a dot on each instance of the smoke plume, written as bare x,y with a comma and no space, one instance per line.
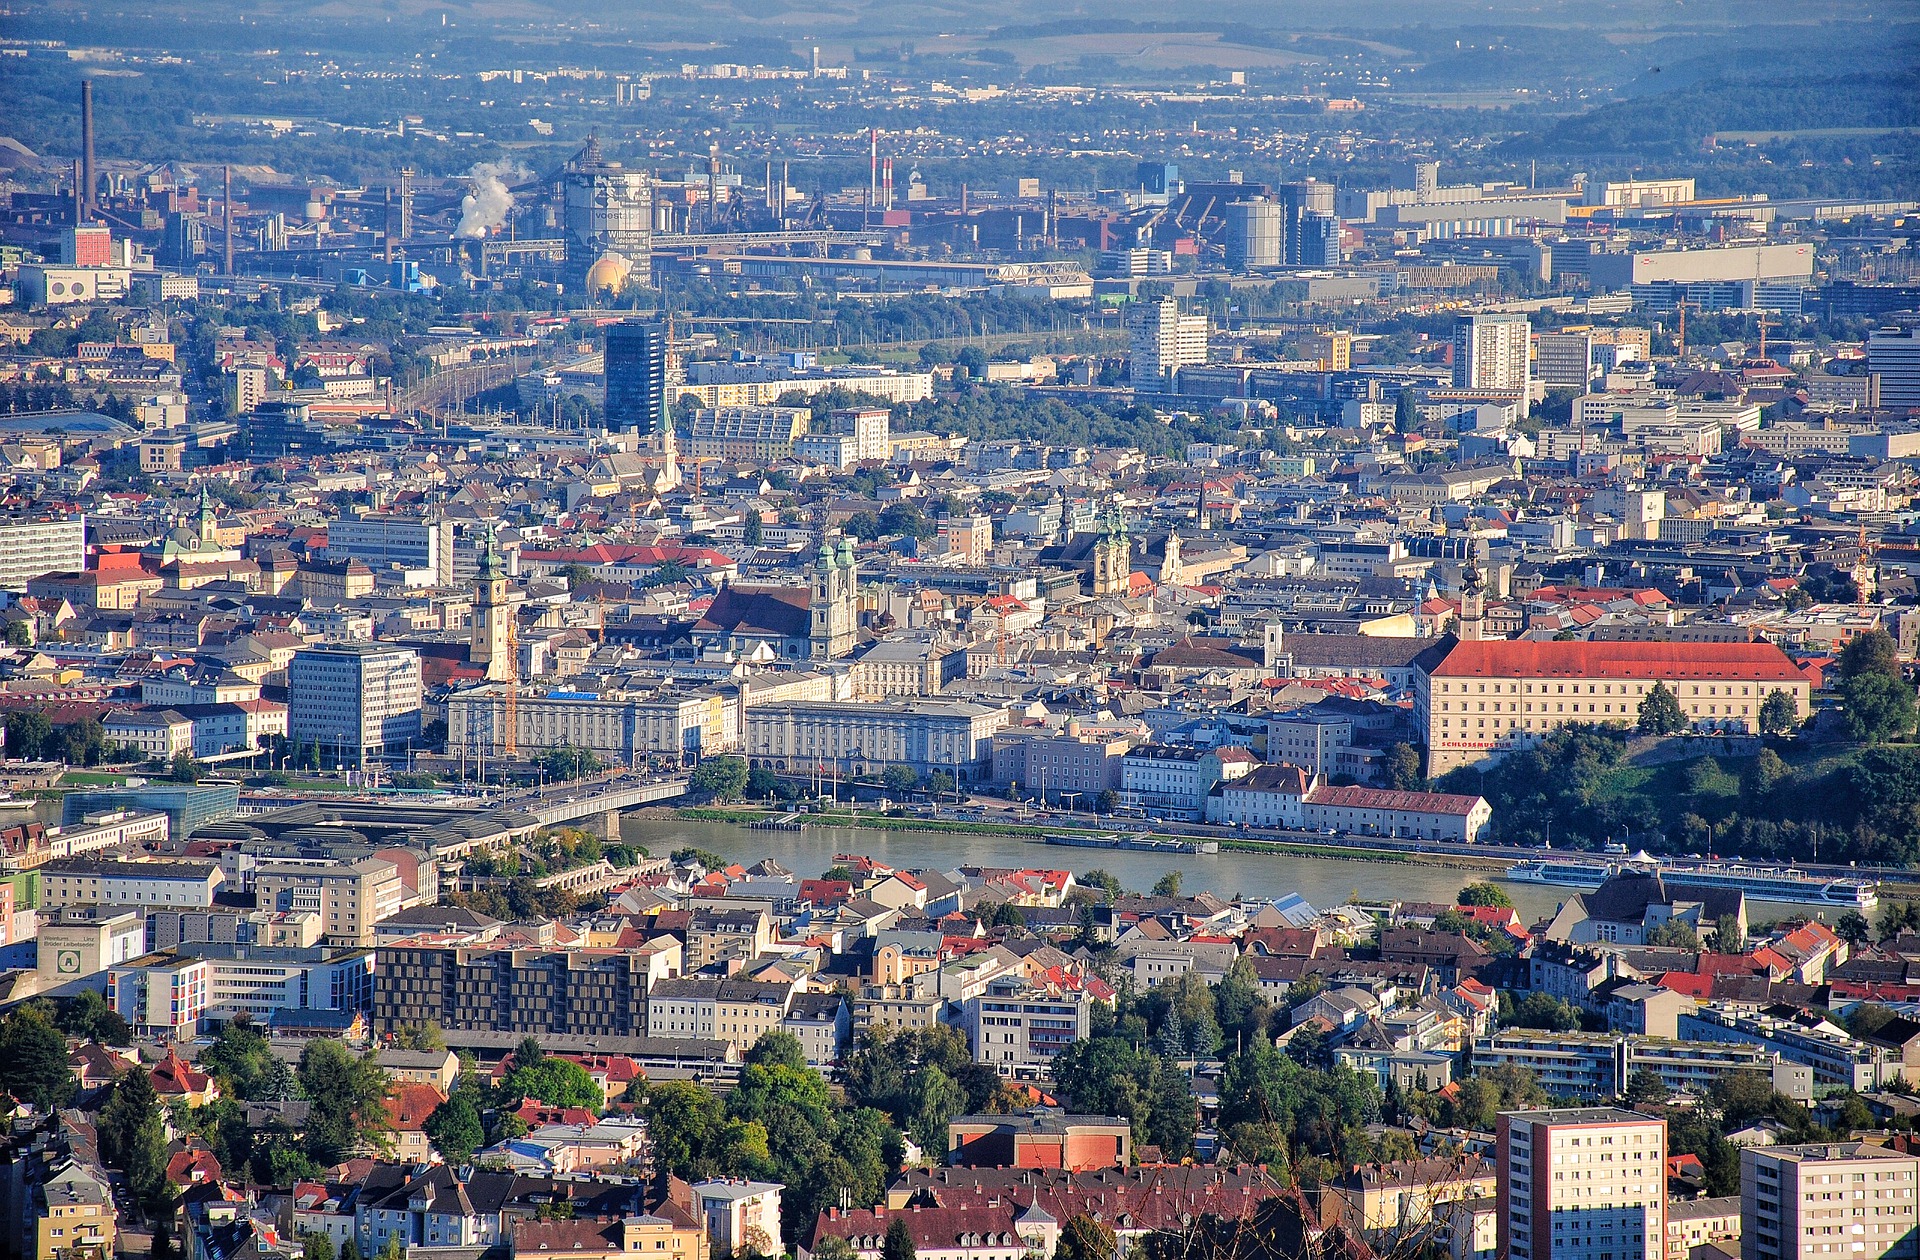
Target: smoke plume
488,200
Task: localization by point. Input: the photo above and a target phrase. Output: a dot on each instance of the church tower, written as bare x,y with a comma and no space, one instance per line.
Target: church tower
1112,558
492,647
1171,570
833,605
1473,606
208,527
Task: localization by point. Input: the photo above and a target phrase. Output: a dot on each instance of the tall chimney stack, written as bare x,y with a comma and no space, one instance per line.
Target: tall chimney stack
86,148
226,215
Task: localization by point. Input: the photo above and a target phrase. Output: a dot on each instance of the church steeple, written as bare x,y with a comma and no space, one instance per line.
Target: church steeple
208,529
491,647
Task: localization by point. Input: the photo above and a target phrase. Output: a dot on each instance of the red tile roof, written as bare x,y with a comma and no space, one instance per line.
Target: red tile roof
1387,798
1508,658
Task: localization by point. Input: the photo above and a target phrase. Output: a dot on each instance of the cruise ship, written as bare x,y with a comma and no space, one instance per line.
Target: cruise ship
1562,872
1778,883
1763,883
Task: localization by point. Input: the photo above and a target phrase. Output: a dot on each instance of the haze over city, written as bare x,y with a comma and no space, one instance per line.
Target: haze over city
950,631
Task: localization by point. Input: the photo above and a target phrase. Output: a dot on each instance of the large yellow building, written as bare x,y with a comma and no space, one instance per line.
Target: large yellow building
1472,699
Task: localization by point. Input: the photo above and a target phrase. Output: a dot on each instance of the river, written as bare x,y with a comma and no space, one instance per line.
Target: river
1323,882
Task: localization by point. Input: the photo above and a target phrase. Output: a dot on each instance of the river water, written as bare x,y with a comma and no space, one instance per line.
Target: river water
1323,882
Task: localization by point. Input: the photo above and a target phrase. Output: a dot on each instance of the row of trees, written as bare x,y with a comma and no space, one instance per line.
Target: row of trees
779,1123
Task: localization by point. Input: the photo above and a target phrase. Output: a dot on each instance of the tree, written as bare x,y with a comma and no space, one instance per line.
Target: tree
1874,652
1727,936
1083,1238
898,1244
1878,706
1660,712
719,778
939,783
1675,934
1645,1087
557,1083
1168,885
1778,712
133,1136
1402,768
455,1130
1107,882
88,1016
1852,927
346,1099
1543,1010
427,1036
900,780
762,783
1406,412
27,734
751,531
19,634
1485,894
1107,801
316,1245
33,1060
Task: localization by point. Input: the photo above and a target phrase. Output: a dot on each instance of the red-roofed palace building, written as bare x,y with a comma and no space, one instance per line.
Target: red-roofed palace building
1474,698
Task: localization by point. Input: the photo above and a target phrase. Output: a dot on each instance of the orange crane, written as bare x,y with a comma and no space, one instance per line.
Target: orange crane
510,741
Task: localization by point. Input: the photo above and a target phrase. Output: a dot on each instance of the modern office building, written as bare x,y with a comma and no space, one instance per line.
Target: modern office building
188,806
1827,1200
1306,210
607,215
1164,341
384,540
573,992
1893,355
355,700
30,547
1581,1183
635,367
1565,360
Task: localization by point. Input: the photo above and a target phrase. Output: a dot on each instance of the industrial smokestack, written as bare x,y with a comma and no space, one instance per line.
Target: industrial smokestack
873,167
226,215
86,148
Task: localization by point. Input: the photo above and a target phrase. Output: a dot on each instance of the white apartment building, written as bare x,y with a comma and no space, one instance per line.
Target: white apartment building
1581,1183
29,548
753,433
1827,1200
1018,1028
1494,352
1164,341
740,1213
356,700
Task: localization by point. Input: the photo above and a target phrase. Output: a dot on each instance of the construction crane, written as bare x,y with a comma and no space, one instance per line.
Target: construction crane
510,741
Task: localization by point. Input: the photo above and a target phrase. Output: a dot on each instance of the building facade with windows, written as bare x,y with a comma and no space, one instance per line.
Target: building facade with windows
1472,698
1581,1183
